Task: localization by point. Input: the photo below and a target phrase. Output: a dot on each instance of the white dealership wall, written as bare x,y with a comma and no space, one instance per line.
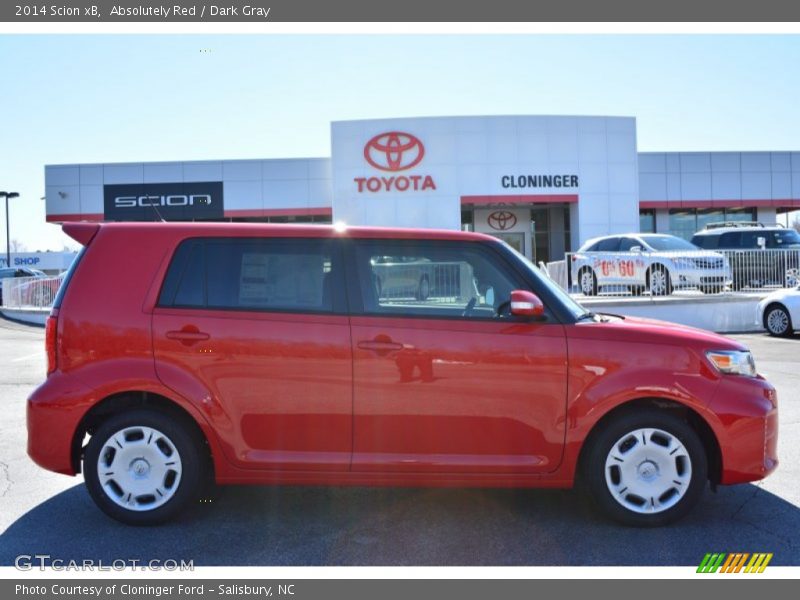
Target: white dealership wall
251,187
467,157
766,181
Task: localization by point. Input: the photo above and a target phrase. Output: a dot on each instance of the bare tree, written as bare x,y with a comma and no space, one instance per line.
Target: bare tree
17,246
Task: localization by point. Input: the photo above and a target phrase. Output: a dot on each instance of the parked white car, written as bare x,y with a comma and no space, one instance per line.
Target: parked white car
779,312
648,261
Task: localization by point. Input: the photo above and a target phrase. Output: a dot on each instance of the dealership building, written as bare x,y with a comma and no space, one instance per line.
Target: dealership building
544,184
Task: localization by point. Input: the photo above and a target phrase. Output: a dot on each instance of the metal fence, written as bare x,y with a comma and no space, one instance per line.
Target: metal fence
29,292
423,282
684,273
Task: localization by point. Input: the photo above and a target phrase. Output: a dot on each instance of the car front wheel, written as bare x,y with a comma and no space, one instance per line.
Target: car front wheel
660,281
646,468
142,467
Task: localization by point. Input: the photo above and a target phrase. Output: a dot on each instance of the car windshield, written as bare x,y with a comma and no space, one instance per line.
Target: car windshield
573,307
667,243
785,238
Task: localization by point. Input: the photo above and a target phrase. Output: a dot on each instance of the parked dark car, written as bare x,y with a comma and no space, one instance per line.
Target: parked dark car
759,254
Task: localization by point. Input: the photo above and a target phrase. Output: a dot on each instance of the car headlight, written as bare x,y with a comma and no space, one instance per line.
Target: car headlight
733,362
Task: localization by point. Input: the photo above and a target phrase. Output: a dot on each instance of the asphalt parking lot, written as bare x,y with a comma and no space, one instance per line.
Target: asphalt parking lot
45,513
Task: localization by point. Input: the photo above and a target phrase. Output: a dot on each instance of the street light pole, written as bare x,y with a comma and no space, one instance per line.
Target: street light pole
8,195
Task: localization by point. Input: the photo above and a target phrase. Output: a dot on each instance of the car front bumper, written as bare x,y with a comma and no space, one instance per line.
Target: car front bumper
747,409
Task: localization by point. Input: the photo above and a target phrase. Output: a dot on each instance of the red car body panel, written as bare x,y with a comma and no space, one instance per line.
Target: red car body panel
455,397
364,400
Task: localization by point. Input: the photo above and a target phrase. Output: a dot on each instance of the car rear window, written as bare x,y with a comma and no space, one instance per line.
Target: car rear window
252,274
62,289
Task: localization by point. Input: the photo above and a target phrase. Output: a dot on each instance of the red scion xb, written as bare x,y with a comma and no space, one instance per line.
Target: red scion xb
180,353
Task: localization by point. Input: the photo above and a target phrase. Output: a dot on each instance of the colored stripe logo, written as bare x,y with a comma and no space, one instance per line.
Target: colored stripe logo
735,562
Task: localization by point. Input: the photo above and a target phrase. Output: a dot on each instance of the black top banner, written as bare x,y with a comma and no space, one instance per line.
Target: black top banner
168,201
264,11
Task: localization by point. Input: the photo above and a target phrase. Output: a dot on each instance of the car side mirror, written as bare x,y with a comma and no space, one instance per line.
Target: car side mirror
526,304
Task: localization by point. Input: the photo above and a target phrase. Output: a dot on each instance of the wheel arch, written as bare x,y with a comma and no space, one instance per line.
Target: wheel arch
694,419
120,401
776,304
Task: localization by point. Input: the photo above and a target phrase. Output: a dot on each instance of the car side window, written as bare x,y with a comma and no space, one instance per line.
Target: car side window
608,245
292,275
732,239
627,243
706,241
432,279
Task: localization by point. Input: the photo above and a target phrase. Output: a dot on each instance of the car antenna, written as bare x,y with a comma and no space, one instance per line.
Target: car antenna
158,214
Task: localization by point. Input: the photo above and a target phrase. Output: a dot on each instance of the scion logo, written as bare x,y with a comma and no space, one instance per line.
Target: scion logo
175,200
501,220
170,201
394,151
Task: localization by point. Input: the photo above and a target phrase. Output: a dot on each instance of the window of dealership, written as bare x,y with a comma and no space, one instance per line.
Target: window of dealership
685,222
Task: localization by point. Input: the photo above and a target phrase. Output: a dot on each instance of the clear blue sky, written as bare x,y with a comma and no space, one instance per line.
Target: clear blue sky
70,99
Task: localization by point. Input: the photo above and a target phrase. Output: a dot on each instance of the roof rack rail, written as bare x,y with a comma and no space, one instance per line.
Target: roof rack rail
721,224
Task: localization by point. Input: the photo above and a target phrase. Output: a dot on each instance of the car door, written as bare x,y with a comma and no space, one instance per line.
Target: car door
606,261
632,267
451,383
257,329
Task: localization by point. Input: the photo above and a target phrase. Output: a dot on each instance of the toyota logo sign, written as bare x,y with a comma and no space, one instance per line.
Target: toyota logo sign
394,151
501,220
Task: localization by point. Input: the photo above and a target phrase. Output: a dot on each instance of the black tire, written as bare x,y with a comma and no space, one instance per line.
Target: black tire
602,442
778,321
659,269
711,289
424,288
185,439
591,289
636,290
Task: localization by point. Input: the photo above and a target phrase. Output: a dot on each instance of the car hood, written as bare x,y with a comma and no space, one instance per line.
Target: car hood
653,331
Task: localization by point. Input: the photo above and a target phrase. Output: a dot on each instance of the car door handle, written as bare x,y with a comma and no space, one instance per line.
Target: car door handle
187,337
379,346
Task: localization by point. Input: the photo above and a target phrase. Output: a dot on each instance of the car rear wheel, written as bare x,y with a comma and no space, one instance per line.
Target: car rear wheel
777,321
660,281
646,468
712,289
636,290
142,467
587,281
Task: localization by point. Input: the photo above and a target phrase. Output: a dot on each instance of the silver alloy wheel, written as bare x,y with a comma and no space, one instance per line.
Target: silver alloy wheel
777,321
139,468
587,283
658,282
648,471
